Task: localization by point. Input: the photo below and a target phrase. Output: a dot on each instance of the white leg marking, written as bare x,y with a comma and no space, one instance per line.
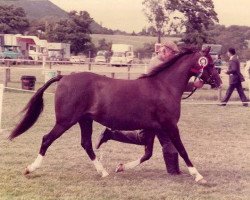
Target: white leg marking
99,167
132,164
36,164
193,171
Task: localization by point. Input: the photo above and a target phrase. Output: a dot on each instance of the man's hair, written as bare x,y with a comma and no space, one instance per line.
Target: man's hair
232,51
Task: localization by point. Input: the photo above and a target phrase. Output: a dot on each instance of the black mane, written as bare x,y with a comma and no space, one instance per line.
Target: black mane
167,64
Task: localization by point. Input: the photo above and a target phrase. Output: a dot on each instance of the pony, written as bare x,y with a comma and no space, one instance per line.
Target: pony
152,103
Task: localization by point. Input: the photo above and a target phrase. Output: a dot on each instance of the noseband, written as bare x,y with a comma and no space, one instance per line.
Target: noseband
202,63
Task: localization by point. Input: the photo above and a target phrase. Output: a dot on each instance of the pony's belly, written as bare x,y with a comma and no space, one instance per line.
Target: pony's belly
128,124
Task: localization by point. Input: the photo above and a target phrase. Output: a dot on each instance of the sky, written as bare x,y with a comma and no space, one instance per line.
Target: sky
127,15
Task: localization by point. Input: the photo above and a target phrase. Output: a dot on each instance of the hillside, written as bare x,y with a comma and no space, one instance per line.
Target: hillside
37,9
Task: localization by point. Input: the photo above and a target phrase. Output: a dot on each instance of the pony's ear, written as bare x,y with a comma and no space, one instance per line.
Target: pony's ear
206,50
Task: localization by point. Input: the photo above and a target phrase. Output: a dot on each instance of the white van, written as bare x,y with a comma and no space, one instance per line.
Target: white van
123,54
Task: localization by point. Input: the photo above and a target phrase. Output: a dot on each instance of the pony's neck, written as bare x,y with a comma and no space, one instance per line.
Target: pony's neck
176,78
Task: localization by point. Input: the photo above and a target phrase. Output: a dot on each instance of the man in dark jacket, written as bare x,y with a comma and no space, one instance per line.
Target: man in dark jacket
235,78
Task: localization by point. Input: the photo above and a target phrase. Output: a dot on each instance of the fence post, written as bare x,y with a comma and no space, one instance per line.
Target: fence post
44,61
112,75
8,71
249,87
89,60
1,104
129,66
5,79
50,64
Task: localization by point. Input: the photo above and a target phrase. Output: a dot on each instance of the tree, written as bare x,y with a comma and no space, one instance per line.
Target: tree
13,20
157,15
153,32
143,31
232,36
133,33
38,26
145,51
191,17
197,17
75,30
103,45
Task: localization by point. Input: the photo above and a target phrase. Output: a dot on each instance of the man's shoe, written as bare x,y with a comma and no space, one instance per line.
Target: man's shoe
104,137
245,104
222,104
175,173
172,163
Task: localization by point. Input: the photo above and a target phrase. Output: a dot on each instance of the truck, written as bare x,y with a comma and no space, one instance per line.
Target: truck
215,48
9,48
122,54
59,51
32,47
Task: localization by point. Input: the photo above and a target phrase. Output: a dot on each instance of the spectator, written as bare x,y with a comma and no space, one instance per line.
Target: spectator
235,78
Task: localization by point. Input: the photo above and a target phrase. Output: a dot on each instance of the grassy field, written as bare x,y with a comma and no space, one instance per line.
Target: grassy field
136,41
216,138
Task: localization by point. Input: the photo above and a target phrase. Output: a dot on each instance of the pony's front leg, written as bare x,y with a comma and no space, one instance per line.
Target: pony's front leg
174,135
99,168
147,155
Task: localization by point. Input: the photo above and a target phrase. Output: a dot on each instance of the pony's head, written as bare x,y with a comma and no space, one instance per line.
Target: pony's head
204,68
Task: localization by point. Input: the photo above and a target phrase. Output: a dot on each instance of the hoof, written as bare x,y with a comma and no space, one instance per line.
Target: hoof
119,168
26,171
202,181
105,174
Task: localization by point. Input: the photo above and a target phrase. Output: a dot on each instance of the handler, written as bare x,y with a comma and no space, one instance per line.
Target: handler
139,137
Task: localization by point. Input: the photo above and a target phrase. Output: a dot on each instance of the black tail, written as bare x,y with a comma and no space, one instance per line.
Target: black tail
33,110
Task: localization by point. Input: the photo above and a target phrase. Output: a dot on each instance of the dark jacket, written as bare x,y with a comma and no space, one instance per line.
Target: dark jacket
234,71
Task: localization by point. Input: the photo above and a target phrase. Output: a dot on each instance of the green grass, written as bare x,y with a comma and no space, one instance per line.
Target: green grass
217,143
136,41
216,138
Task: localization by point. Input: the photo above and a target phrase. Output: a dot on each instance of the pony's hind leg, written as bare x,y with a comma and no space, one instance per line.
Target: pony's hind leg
149,137
174,135
47,140
86,142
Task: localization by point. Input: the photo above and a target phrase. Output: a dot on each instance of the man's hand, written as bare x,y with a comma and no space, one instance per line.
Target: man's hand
198,84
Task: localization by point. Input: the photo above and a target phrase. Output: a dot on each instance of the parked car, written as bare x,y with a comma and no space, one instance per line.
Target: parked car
102,56
78,59
10,52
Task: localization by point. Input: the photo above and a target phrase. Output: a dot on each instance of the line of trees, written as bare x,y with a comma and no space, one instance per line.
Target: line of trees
195,21
74,30
13,20
191,18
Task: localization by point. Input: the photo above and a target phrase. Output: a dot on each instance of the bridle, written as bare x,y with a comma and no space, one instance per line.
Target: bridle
202,63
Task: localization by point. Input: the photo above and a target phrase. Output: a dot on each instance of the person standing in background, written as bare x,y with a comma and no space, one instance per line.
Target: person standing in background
235,78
